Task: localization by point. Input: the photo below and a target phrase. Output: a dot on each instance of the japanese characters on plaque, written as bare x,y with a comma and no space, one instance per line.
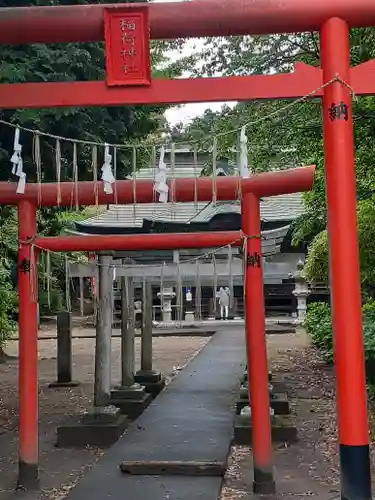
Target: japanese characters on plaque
127,46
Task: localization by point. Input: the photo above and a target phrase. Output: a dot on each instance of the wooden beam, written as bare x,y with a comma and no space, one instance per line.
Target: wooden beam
301,82
362,78
84,23
158,468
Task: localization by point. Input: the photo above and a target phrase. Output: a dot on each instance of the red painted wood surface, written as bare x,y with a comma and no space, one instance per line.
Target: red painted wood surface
28,347
141,242
342,228
236,88
84,23
256,343
227,188
127,41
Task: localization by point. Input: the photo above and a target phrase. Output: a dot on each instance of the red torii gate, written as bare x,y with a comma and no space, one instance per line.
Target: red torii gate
267,184
333,20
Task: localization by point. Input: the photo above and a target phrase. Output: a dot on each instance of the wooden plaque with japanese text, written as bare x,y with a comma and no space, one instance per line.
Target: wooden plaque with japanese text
127,38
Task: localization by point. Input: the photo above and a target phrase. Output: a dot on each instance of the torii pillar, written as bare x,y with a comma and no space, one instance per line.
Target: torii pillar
344,264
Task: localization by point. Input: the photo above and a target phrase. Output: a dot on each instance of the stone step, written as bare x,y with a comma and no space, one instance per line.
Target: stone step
278,401
282,427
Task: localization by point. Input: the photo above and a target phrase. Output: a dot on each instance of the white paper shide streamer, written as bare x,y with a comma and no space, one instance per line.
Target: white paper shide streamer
161,185
17,162
107,174
243,160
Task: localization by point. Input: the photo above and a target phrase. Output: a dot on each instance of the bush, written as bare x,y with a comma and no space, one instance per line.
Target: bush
8,304
318,324
368,310
316,268
51,304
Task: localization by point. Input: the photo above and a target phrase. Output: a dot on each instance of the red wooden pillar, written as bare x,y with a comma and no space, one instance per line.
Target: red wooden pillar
344,260
257,347
28,348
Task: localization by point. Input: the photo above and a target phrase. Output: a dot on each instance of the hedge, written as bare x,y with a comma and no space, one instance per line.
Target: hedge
318,324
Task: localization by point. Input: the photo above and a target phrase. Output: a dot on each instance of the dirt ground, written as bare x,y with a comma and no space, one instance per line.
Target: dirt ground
61,469
309,468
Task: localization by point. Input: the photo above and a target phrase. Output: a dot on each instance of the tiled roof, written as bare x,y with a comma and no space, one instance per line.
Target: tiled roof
276,208
286,207
184,168
181,170
130,216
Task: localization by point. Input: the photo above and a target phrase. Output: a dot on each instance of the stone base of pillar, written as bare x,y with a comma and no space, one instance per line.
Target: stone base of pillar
274,388
167,317
189,316
279,403
131,400
57,384
153,382
282,428
100,426
245,377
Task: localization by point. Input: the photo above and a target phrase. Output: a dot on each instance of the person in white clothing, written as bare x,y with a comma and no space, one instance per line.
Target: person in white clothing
224,302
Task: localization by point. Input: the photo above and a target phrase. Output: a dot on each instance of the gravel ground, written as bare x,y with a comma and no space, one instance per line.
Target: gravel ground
309,468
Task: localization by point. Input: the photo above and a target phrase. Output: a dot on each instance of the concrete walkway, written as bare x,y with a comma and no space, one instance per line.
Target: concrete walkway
191,420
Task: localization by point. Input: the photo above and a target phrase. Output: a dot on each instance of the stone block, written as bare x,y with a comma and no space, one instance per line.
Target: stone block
278,401
130,404
155,388
146,377
282,426
246,376
58,385
275,388
189,316
98,427
133,392
153,383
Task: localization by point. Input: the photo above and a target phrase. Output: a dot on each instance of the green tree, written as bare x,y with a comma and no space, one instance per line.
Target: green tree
295,136
316,268
74,62
68,62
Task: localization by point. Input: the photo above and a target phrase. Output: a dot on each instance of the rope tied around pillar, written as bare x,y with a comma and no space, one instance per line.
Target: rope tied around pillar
338,79
244,238
29,241
29,265
248,260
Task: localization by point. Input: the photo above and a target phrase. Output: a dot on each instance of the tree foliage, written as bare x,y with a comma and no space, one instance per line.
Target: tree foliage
318,324
119,124
293,136
316,268
74,62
